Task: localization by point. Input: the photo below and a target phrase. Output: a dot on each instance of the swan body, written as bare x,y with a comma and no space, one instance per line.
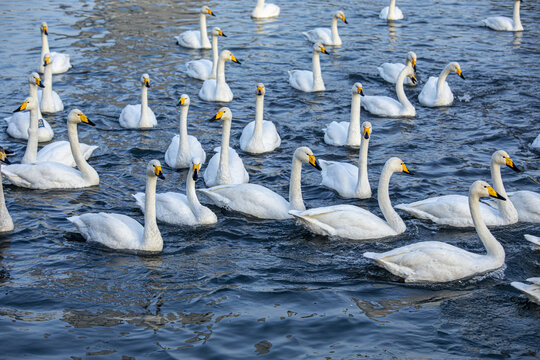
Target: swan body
436,91
386,106
48,98
527,204
204,69
391,12
502,23
346,133
217,89
259,136
6,222
263,10
60,152
139,116
434,261
261,202
225,167
534,240
532,291
60,62
453,210
197,39
181,209
327,36
348,180
119,231
390,71
184,147
309,81
353,222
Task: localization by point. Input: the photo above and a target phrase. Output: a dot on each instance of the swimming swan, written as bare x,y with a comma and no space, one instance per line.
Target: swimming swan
6,223
53,175
119,231
218,89
436,91
196,39
184,147
204,69
327,36
534,240
390,71
259,136
49,100
348,180
60,63
502,23
386,106
263,10
435,261
532,291
179,209
347,133
225,167
30,153
261,202
139,116
309,81
353,222
391,12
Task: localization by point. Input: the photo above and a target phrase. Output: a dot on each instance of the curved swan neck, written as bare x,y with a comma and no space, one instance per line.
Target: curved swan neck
44,50
144,121
494,249
442,78
47,90
335,35
507,209
392,9
30,154
516,18
183,146
259,109
295,186
400,91
223,173
191,194
215,55
383,196
363,181
151,237
204,35
88,173
318,83
354,125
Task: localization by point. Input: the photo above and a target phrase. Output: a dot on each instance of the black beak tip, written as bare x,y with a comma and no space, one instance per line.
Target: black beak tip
91,123
345,21
317,166
516,168
41,85
409,173
213,118
6,161
223,35
17,110
366,136
461,76
195,176
213,14
179,103
238,62
46,32
500,197
362,92
161,176
414,68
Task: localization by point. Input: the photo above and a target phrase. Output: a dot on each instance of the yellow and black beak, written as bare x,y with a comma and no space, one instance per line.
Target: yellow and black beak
314,162
233,58
511,165
458,71
494,194
85,120
195,172
366,133
217,116
181,102
413,79
46,61
344,20
259,90
414,65
44,29
323,50
21,108
3,156
39,83
158,172
211,13
147,82
221,33
360,90
405,170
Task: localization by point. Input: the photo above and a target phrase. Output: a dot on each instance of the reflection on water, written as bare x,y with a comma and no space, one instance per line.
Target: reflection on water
392,34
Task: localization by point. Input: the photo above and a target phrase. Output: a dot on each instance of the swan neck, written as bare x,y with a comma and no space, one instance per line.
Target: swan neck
215,55
30,154
392,9
47,90
507,209
363,181
494,249
144,121
259,109
204,35
516,17
191,194
442,79
44,50
220,76
88,173
335,35
183,146
152,237
260,4
295,186
354,124
223,174
390,215
400,91
34,95
318,83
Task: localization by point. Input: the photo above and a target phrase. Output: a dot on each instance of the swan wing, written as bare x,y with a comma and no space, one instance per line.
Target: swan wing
341,177
336,133
499,23
44,175
190,39
429,96
381,105
270,138
322,35
398,15
208,90
130,116
60,151
196,149
237,170
532,291
301,80
527,204
60,63
171,208
18,124
172,152
199,69
535,240
390,72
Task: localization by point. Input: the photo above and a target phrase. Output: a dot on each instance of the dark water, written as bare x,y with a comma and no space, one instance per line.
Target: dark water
244,287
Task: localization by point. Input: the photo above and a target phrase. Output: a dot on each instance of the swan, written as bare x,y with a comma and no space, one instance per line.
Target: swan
327,36
53,175
346,133
30,153
139,116
309,81
60,152
435,261
6,223
502,23
204,69
60,62
390,71
436,91
533,290
179,209
353,222
453,210
348,180
535,145
527,204
217,89
391,12
48,98
222,169
386,106
535,240
259,136
118,231
263,10
18,123
261,202
196,39
184,147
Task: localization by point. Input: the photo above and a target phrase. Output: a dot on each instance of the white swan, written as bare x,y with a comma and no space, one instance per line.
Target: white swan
179,209
534,240
18,123
60,62
391,12
6,222
435,261
535,145
348,180
184,147
502,23
347,133
218,89
30,153
225,167
309,81
527,204
263,10
261,202
436,91
327,36
386,106
49,100
119,231
139,116
390,71
196,39
353,222
531,290
53,175
204,69
453,210
259,136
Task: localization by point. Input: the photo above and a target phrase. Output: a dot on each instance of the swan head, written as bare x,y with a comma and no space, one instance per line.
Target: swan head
395,164
47,59
34,79
454,66
3,155
501,157
227,55
206,11
145,80
76,116
366,129
44,28
217,32
195,167
410,73
261,90
224,114
28,104
184,100
154,169
319,47
483,189
357,89
411,58
305,155
341,16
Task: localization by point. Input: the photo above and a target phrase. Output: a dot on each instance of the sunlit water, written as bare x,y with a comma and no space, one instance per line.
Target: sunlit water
247,287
